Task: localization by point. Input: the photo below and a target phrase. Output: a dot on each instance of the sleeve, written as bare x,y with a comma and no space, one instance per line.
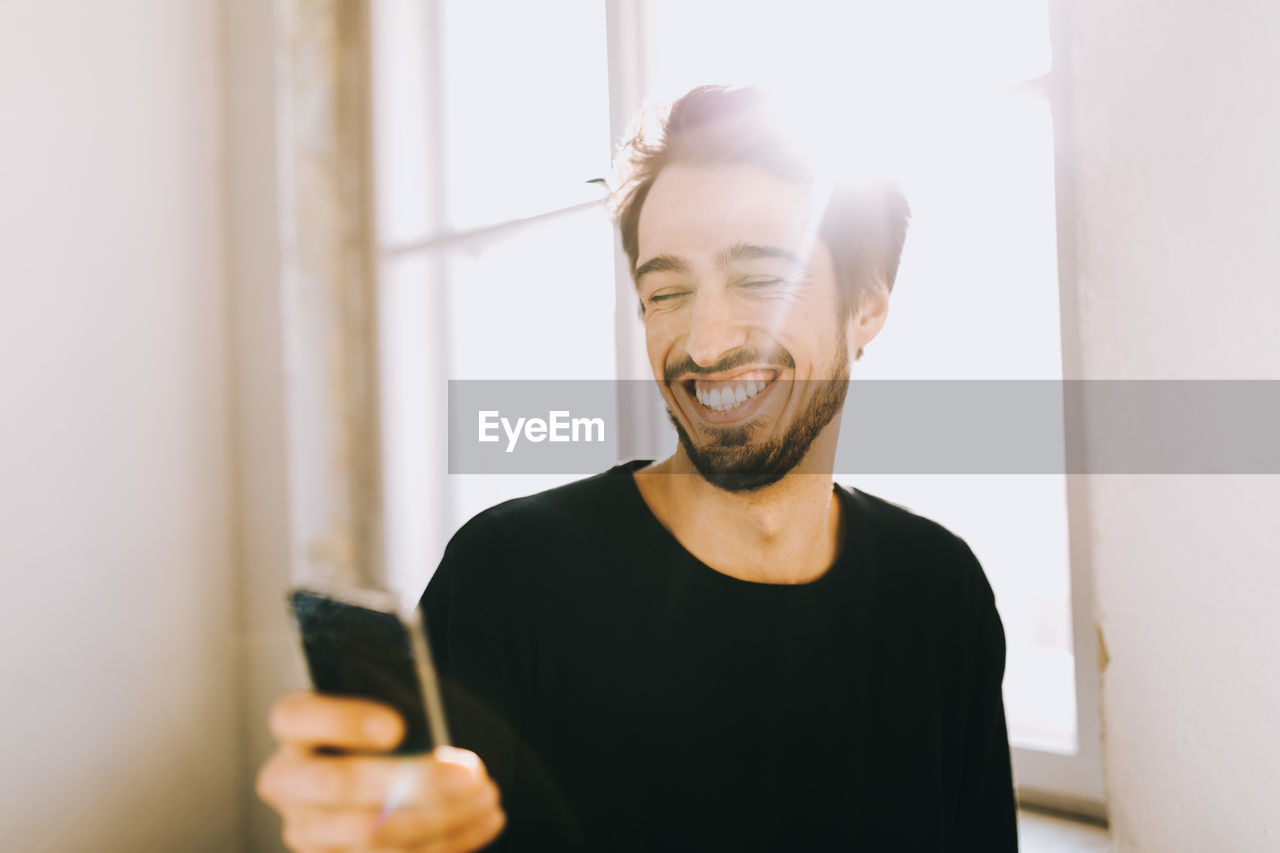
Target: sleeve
477,681
988,816
480,643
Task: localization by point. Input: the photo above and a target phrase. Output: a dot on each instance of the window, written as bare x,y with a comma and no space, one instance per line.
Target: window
496,259
495,253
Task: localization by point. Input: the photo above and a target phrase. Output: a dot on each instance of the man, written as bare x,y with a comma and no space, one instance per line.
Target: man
722,650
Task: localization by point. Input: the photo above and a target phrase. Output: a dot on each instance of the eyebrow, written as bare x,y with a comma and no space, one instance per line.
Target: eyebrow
726,257
753,251
661,263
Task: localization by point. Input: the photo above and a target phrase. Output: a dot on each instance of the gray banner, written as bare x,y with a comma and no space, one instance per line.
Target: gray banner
910,427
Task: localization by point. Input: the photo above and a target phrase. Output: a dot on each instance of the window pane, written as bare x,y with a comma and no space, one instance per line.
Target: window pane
1017,527
538,304
977,293
535,304
844,51
525,108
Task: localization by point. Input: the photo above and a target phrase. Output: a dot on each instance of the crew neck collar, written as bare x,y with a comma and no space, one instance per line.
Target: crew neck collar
653,530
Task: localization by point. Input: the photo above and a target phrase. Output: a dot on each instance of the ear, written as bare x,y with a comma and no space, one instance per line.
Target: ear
868,320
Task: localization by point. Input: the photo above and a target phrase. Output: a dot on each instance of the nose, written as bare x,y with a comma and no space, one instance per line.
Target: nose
714,328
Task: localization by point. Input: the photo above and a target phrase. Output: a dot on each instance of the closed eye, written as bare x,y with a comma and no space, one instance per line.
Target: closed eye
667,296
769,286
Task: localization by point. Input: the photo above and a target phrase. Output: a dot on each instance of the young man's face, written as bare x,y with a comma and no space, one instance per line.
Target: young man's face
744,326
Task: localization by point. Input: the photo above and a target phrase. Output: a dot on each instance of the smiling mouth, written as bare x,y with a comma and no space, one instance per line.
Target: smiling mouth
730,396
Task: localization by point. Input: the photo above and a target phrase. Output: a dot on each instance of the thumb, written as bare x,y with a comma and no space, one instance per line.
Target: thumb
463,758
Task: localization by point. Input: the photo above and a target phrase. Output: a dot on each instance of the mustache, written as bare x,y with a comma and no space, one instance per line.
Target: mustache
686,366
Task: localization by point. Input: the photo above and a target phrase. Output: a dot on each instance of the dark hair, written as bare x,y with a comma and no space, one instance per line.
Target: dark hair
864,225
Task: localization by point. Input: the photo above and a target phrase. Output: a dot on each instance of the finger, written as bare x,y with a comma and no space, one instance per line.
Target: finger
312,720
342,782
431,817
366,828
443,797
463,758
317,828
294,780
351,848
311,829
347,848
469,838
463,838
442,818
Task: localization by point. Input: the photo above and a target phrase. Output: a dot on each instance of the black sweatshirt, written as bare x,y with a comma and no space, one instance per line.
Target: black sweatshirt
626,696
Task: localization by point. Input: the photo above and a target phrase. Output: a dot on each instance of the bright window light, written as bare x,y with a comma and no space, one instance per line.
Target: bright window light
515,117
932,94
525,108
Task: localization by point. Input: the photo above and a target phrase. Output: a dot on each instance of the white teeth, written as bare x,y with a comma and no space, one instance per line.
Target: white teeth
725,397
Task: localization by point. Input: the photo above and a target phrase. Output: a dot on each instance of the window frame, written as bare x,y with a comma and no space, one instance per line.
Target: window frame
1072,782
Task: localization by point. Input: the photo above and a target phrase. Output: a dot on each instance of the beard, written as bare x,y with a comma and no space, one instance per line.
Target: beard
733,460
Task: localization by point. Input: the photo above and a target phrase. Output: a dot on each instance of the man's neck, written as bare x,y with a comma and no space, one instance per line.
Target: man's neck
789,532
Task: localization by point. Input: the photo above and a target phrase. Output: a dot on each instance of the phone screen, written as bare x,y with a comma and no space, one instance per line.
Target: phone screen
355,651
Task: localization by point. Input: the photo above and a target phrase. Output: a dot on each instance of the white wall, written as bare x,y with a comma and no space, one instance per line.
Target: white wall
119,727
1177,154
269,658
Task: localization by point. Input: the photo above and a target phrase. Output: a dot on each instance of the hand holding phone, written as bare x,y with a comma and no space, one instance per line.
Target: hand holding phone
355,796
331,779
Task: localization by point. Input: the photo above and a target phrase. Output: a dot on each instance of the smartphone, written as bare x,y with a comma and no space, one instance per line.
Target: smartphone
363,642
